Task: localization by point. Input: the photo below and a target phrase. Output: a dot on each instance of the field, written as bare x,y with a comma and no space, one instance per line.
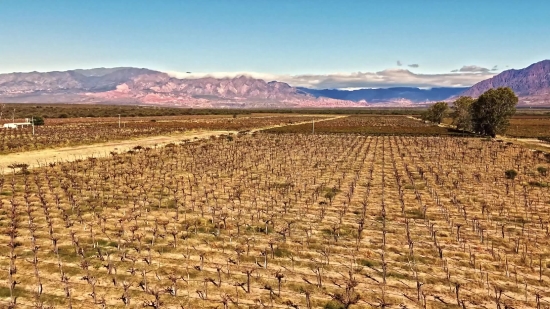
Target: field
379,222
63,132
100,110
86,110
526,126
530,126
388,213
371,125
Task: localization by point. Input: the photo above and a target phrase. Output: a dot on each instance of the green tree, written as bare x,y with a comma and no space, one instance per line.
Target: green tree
38,121
436,112
462,117
491,112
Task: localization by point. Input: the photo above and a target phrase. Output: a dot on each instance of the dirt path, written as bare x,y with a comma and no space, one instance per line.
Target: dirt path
532,143
297,123
45,156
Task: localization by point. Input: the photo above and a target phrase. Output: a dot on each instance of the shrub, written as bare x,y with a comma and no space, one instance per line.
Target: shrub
368,263
333,305
538,184
38,121
510,174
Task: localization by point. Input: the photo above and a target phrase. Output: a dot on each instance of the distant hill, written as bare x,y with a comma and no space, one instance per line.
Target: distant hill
385,95
531,84
144,86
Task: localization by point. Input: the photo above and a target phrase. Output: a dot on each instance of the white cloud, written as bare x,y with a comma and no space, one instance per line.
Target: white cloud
195,75
399,63
355,80
472,69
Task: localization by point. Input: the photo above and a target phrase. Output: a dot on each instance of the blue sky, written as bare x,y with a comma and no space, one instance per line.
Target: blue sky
285,38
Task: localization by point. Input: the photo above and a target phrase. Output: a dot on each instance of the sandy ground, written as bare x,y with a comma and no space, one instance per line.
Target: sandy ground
527,142
45,156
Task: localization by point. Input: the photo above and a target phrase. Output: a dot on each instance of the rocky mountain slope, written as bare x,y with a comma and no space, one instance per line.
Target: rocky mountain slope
132,85
531,84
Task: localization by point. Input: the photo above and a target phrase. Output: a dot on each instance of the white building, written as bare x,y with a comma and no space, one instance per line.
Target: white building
15,125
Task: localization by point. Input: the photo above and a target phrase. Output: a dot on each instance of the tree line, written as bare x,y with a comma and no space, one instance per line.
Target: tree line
488,115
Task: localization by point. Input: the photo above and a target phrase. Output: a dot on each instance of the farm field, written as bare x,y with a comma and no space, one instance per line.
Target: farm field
282,221
83,131
530,126
44,157
525,126
65,111
105,110
370,125
79,120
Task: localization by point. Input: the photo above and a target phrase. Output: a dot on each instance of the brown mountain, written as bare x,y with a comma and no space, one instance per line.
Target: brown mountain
531,84
132,85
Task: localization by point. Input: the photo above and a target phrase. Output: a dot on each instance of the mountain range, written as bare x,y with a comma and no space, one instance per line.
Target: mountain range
126,85
144,86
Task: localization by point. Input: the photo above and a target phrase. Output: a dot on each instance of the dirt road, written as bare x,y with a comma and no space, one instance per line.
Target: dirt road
532,143
45,156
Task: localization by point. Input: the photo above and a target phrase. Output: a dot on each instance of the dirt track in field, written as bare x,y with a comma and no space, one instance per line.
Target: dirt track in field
532,143
34,158
42,157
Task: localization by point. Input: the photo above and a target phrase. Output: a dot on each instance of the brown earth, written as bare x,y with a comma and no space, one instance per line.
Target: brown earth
45,156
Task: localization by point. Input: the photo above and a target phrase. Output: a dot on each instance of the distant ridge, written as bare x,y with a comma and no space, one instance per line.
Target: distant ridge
385,95
143,86
531,84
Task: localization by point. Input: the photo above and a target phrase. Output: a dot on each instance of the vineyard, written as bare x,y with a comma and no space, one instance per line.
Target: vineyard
71,131
371,125
282,221
525,126
530,126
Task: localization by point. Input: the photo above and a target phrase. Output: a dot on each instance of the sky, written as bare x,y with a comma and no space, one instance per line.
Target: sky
315,43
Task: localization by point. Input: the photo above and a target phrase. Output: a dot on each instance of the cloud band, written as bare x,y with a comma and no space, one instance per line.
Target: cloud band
382,79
